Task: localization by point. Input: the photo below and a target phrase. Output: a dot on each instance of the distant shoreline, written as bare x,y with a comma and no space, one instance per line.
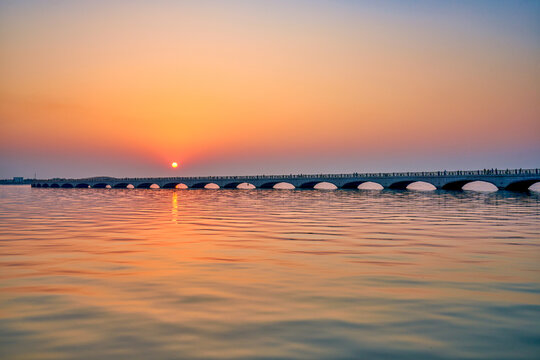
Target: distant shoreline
11,182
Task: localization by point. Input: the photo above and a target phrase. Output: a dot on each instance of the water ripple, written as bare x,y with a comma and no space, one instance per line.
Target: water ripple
198,274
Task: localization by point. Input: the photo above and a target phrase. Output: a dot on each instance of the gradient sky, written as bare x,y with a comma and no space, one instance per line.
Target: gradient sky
123,88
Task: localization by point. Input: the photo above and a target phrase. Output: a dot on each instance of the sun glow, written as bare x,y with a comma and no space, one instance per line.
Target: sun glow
360,78
174,164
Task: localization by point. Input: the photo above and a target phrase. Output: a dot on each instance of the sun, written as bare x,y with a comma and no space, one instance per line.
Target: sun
174,164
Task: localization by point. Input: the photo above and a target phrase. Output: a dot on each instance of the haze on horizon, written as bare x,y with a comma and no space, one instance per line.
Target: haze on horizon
124,88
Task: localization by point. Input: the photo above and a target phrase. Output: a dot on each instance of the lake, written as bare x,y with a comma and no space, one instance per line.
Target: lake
268,274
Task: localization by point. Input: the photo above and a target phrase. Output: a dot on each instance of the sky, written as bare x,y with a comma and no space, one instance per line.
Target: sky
124,88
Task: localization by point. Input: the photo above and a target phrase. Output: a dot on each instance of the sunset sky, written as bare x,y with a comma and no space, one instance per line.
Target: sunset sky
124,88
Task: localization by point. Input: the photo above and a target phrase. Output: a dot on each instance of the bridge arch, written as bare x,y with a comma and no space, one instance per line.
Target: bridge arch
455,185
147,185
370,185
362,185
522,186
55,185
82,186
459,184
121,186
171,185
281,185
421,186
404,185
401,185
319,185
67,186
174,185
205,185
100,186
38,185
352,184
239,185
480,185
45,185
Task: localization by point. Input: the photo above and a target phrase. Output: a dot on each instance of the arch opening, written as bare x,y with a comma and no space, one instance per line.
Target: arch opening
37,185
173,185
67,186
205,185
239,185
82,186
233,185
283,186
470,185
535,187
401,185
524,186
120,186
246,186
308,185
352,184
370,185
325,185
480,186
147,186
100,186
421,186
413,185
45,185
319,185
55,185
455,185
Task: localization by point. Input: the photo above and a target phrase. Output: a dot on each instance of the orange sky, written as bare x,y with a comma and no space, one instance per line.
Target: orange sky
124,88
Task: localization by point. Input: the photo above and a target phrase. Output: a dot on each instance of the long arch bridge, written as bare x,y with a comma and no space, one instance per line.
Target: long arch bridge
512,180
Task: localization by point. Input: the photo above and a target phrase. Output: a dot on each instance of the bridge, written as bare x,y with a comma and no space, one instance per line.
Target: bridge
512,180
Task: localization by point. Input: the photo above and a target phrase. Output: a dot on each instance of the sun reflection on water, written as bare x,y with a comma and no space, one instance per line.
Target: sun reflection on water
174,208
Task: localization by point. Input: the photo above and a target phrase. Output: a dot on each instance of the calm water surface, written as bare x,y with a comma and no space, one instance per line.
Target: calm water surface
268,274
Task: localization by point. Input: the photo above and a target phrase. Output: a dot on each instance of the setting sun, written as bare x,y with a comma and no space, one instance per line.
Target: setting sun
174,164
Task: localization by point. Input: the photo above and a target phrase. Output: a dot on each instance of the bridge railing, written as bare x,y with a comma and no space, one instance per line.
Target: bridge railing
485,172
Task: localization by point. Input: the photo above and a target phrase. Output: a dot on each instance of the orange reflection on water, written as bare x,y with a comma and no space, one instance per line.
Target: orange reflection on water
233,273
174,207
